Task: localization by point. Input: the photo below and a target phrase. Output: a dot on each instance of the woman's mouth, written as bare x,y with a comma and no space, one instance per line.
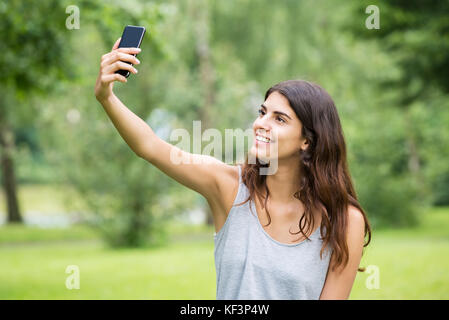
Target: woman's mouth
262,140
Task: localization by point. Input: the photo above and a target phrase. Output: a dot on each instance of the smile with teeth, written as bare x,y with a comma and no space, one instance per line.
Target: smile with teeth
262,139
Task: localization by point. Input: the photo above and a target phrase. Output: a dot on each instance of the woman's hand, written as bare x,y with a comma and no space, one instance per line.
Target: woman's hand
111,62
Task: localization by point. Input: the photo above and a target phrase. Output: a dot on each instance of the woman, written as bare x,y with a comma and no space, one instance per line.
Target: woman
258,217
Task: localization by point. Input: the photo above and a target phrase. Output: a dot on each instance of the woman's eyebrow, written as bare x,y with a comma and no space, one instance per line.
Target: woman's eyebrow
277,112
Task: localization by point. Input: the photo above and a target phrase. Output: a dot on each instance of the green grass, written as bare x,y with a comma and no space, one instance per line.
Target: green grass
19,234
408,269
181,271
22,234
413,264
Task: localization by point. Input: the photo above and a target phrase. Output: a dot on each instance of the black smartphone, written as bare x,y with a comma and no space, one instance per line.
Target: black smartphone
131,38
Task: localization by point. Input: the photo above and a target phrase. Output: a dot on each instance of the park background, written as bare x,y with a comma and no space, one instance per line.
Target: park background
73,192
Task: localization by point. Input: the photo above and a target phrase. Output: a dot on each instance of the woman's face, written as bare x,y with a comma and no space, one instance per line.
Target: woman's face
278,122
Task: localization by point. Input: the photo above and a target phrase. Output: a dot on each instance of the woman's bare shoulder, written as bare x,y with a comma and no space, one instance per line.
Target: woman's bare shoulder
229,179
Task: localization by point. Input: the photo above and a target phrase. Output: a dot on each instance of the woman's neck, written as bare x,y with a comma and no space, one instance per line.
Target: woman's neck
285,182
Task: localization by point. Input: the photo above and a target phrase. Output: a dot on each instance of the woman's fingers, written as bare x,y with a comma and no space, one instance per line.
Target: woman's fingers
116,60
117,55
107,78
119,65
130,50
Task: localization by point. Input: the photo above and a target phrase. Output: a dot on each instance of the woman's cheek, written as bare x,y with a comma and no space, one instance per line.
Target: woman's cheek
282,149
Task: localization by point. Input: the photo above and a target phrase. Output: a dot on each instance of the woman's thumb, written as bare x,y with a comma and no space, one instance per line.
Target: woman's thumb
115,46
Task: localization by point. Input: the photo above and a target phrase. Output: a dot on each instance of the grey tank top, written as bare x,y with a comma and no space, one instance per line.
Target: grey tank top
250,264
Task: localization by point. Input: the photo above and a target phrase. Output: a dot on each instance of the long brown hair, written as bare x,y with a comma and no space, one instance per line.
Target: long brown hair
324,184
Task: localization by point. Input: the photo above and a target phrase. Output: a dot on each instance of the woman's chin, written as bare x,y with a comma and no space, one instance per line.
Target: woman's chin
260,154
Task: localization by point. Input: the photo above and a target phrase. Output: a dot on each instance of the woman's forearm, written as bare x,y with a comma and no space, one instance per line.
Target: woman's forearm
133,129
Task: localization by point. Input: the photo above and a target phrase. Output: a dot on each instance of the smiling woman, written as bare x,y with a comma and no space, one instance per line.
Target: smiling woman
298,128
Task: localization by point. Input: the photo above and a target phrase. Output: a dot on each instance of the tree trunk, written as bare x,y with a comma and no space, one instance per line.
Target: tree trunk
8,175
414,161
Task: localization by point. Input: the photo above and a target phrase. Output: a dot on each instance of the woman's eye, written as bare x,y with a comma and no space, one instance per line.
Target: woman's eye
281,119
261,112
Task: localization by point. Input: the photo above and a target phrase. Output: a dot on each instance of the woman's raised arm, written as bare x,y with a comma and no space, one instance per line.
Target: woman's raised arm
200,173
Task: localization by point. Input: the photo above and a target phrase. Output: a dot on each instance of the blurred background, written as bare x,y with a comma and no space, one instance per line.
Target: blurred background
74,194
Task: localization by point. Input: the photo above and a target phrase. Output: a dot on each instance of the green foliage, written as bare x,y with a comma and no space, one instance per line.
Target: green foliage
415,36
127,200
34,45
416,33
389,86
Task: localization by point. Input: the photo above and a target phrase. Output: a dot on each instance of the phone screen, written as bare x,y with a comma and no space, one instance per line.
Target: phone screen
131,38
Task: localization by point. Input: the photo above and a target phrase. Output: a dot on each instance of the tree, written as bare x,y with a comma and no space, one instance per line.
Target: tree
34,58
415,35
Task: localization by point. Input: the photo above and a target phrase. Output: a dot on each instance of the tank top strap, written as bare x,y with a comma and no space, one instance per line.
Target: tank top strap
239,197
240,174
242,190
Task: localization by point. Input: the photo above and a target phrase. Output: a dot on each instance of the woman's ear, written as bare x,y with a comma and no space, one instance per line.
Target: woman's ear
305,145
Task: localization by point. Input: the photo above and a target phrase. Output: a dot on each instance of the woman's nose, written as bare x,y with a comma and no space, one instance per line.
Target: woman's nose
262,123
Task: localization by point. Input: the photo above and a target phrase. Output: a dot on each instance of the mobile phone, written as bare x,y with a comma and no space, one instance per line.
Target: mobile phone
131,38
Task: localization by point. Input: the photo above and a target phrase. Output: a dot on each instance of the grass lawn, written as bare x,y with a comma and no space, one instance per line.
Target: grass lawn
412,264
181,271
